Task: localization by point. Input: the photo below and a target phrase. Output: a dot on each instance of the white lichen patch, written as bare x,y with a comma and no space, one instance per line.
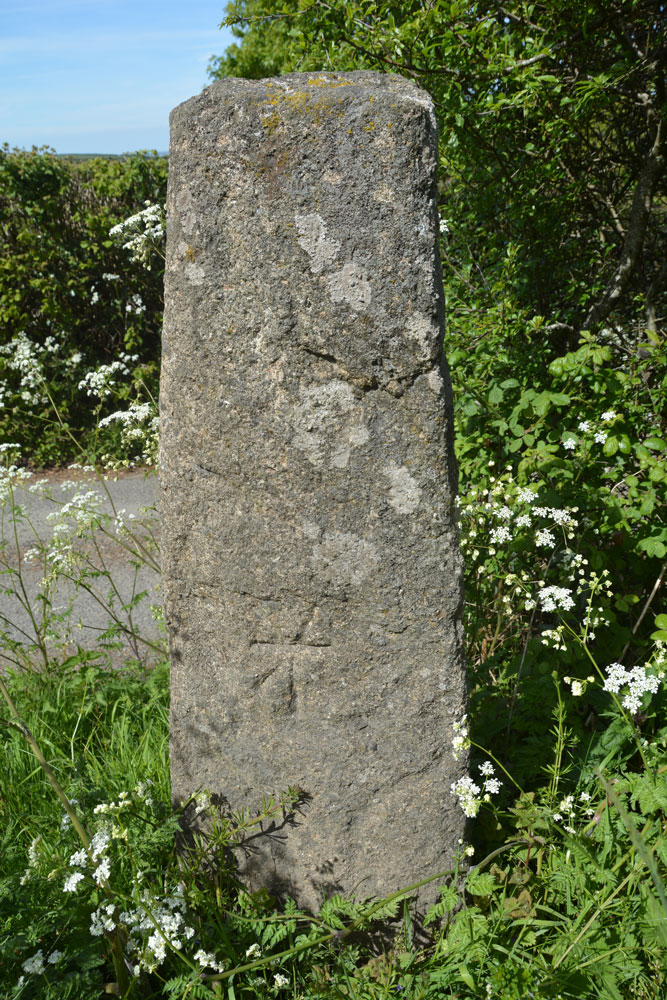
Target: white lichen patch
186,209
353,435
313,239
436,382
345,558
422,329
328,424
404,491
350,285
195,274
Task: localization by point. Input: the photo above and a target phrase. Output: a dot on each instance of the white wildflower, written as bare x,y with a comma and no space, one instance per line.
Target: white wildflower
468,794
72,882
501,534
555,599
102,872
207,959
637,681
158,946
202,803
35,965
100,842
460,739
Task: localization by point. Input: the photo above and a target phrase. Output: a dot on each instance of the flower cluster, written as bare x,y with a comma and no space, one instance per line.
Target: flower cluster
145,230
139,425
207,960
460,739
570,811
101,381
96,856
34,852
22,357
555,599
152,923
570,440
80,517
135,304
560,600
578,687
12,478
506,513
635,683
155,924
471,795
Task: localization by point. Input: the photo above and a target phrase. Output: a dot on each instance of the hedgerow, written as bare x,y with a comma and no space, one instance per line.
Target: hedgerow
71,297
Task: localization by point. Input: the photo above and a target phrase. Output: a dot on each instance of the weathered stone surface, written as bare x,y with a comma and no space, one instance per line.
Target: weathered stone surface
312,582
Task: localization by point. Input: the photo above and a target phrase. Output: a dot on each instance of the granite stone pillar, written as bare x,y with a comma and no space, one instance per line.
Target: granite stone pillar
312,578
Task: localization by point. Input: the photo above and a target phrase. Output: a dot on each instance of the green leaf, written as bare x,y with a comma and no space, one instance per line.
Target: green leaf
652,546
464,973
661,621
480,883
655,444
610,446
496,395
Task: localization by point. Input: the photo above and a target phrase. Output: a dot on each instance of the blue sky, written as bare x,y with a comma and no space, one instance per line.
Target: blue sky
101,76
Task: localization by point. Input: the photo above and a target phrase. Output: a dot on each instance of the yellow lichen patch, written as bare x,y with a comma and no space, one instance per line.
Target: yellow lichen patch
322,81
271,122
370,127
190,253
302,101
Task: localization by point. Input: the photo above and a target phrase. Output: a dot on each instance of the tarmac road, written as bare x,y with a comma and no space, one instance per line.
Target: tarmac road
132,496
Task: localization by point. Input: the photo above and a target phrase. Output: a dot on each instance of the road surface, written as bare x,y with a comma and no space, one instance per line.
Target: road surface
74,497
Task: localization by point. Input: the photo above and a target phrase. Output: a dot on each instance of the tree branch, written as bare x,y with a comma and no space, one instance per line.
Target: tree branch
640,212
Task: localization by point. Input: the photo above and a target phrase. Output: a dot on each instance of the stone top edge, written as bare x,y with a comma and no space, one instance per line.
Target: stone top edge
359,82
